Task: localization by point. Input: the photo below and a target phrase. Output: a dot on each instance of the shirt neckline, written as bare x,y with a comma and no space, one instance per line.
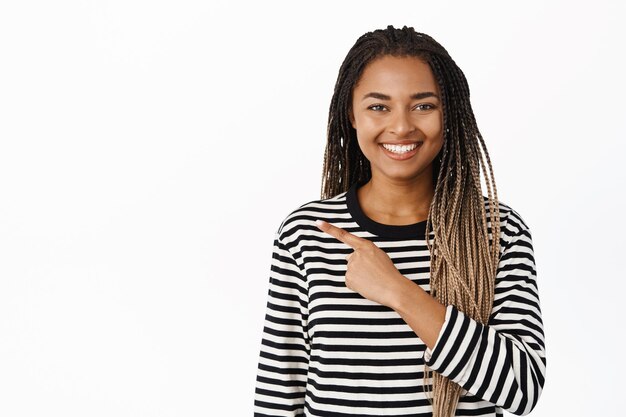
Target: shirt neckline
410,231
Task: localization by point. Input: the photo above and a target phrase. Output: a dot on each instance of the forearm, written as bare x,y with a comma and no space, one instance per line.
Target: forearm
422,312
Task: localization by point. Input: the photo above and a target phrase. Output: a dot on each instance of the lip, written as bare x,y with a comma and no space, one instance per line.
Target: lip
405,142
404,156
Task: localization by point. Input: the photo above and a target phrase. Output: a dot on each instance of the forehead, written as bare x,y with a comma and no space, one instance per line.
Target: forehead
397,73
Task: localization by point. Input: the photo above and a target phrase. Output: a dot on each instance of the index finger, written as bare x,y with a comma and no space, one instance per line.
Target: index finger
344,236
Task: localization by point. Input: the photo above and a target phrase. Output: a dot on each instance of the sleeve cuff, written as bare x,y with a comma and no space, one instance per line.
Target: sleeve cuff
457,345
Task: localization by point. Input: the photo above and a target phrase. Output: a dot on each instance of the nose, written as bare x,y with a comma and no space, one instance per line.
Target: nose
401,124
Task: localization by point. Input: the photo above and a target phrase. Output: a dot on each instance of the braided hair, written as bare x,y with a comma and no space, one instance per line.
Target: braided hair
463,260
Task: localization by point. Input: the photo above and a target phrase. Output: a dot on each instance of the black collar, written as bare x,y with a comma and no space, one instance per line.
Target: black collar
410,231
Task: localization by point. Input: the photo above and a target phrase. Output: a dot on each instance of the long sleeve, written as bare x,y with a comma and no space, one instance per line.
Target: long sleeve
284,357
504,361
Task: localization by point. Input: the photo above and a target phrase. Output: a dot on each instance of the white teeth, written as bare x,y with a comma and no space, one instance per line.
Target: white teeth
400,148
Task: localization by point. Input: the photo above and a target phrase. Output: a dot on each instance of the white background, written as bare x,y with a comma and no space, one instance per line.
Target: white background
150,149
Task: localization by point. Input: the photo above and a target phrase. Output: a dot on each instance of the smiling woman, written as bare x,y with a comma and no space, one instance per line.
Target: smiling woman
403,290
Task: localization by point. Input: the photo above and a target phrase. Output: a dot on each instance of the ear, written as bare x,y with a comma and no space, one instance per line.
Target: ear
351,117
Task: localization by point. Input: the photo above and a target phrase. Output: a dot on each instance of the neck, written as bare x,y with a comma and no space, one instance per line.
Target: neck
396,202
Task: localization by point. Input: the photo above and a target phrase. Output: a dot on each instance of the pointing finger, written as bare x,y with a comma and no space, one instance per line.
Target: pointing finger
342,235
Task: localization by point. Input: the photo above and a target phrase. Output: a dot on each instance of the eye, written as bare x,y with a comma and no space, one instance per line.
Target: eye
425,107
376,107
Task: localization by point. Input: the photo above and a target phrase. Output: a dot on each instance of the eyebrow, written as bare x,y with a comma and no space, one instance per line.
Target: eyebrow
415,96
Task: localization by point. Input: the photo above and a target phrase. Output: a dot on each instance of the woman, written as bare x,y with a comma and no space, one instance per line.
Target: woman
398,301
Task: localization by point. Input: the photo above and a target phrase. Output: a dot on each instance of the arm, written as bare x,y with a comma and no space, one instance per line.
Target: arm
503,362
284,356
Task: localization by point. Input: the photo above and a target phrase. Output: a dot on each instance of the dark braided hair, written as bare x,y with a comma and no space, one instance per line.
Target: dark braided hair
463,261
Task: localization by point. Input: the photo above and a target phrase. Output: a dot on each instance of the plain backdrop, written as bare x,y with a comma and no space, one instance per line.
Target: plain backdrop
150,149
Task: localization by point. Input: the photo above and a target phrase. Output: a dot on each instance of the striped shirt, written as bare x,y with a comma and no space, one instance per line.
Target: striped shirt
328,351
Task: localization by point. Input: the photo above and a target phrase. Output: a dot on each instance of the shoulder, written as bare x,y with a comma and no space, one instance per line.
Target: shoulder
511,221
303,217
508,215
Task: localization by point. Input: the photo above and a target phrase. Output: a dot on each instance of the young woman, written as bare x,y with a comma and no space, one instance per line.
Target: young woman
389,295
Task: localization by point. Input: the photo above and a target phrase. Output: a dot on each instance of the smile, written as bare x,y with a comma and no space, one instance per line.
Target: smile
400,149
400,152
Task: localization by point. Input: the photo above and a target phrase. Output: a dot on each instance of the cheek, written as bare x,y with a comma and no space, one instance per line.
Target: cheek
368,127
365,143
364,121
433,126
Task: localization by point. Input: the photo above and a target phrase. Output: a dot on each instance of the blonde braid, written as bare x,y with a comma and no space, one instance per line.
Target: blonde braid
461,239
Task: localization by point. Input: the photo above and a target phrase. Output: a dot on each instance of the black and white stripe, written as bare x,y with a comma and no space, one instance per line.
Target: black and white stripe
327,351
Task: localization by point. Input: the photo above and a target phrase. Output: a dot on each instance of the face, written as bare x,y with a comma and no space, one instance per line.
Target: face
397,114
